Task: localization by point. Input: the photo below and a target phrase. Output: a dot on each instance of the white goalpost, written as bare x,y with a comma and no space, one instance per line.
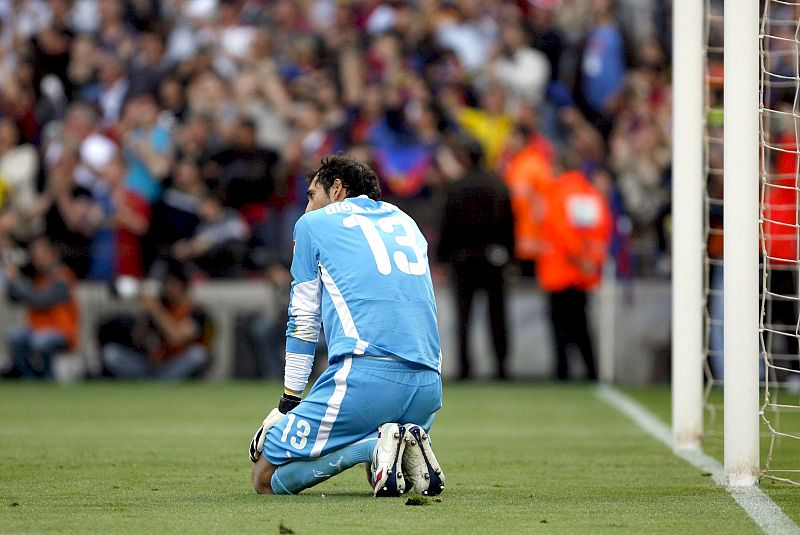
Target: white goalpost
687,227
759,314
741,212
741,242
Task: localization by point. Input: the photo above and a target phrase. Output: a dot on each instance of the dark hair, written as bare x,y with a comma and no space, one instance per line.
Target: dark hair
44,238
247,122
465,149
176,269
357,178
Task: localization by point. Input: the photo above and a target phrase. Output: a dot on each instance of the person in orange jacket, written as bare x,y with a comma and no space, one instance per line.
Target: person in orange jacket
527,174
576,231
52,310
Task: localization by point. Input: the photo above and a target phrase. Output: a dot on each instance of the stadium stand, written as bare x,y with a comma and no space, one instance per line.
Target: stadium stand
130,131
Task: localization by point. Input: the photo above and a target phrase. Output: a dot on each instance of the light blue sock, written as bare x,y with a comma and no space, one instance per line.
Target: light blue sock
293,477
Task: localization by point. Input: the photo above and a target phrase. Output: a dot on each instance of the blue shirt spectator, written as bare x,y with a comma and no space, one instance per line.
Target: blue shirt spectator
603,66
140,178
148,148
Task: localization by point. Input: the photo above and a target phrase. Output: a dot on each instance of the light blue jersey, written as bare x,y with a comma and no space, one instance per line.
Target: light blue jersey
361,268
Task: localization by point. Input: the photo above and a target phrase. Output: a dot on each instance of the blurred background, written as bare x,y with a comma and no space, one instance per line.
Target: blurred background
154,154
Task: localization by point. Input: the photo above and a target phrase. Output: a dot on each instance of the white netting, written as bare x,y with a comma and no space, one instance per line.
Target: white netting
712,157
780,228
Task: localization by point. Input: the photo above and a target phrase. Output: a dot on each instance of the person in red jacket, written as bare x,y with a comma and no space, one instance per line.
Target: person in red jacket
780,244
576,231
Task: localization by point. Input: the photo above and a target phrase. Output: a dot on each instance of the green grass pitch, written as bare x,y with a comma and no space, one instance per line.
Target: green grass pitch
519,458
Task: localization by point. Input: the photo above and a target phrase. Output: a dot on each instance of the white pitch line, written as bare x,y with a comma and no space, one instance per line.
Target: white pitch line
758,506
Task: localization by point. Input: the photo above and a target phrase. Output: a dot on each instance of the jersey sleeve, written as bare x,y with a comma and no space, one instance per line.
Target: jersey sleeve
305,300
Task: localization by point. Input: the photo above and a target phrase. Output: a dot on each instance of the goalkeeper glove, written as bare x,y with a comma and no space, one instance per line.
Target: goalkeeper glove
257,444
287,403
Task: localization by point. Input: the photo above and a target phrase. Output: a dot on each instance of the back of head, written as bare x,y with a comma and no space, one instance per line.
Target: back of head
356,177
43,252
466,150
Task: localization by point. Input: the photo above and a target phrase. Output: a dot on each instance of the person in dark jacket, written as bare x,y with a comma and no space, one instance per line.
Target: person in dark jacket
477,240
52,318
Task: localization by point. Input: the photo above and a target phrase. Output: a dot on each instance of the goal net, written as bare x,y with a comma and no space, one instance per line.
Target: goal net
780,229
713,31
779,215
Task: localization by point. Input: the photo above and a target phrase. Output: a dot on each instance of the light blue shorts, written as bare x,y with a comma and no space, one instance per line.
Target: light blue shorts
348,403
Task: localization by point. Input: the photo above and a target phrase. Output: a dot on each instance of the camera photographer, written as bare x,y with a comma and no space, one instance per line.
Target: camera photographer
166,341
52,311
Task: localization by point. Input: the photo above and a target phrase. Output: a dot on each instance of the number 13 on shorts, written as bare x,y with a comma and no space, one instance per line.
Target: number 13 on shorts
296,432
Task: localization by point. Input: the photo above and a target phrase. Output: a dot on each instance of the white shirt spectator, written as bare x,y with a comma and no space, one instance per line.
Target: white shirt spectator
95,152
471,43
524,75
18,168
112,99
85,16
381,19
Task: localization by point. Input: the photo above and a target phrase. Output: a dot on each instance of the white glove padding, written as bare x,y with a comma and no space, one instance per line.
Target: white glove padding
257,444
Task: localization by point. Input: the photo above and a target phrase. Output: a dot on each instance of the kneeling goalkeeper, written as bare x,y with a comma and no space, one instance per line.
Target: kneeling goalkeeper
360,268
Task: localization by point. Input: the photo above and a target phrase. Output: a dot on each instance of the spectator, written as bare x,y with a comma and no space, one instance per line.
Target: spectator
577,229
477,240
148,66
82,63
489,124
603,64
527,176
52,323
384,80
245,174
235,38
583,141
167,338
148,147
464,29
640,157
543,33
259,97
61,182
403,149
19,165
781,249
195,138
78,132
172,101
112,89
115,218
217,246
51,42
176,216
522,70
114,33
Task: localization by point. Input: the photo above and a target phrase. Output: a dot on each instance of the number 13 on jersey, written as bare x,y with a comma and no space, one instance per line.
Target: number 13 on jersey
404,235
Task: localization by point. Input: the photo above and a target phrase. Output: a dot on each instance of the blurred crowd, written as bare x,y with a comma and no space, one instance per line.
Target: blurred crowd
147,144
135,130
